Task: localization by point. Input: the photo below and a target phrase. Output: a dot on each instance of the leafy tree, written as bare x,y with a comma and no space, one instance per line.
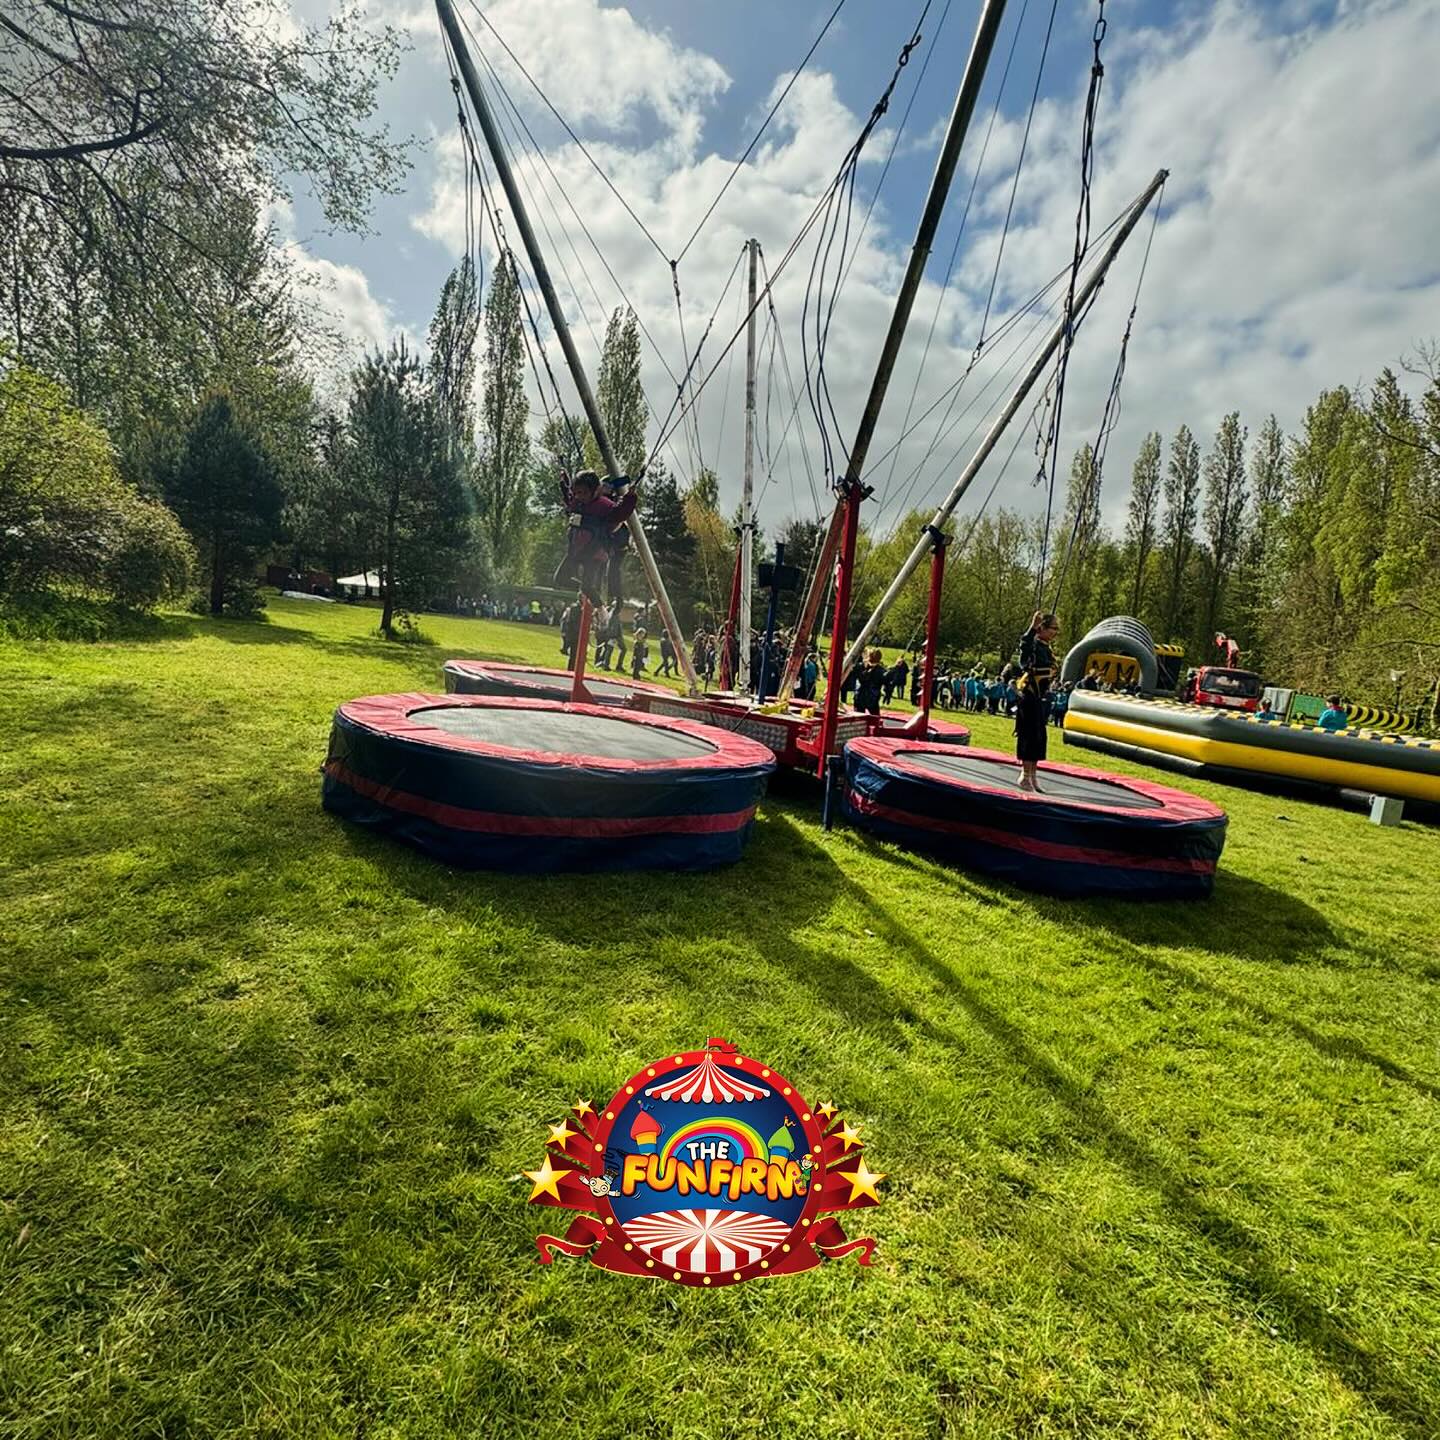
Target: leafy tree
715,542
407,482
155,117
503,470
67,519
1224,507
1143,517
1074,548
1182,493
228,496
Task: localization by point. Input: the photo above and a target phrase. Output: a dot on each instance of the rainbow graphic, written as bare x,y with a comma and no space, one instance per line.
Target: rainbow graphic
746,1143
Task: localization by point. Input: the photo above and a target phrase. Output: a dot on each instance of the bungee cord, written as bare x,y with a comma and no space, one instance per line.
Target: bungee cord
1082,239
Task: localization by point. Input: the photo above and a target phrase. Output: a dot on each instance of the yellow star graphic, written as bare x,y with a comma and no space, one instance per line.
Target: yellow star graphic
847,1136
826,1111
560,1133
583,1108
547,1180
862,1180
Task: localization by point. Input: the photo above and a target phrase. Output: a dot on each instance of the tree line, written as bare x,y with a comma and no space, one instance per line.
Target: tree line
161,428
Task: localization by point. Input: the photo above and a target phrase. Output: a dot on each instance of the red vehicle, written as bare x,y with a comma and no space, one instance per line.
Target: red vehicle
1223,687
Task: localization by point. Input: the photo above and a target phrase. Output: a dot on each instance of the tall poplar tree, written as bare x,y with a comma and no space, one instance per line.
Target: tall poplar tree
1182,495
503,473
1224,507
1143,516
620,395
451,367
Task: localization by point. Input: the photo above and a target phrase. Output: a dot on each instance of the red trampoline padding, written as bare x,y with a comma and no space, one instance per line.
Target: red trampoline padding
540,682
942,732
411,717
488,782
1087,832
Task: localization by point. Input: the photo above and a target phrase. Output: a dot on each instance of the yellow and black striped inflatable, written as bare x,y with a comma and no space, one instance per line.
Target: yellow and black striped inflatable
1224,742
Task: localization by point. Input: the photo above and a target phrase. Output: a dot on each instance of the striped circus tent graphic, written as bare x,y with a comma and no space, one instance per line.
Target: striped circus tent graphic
707,1084
706,1242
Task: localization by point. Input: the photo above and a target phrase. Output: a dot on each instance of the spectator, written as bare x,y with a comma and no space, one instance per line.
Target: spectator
809,676
639,654
869,680
569,631
667,654
1333,717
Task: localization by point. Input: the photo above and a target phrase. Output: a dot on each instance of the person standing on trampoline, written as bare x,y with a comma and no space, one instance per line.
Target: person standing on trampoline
1037,667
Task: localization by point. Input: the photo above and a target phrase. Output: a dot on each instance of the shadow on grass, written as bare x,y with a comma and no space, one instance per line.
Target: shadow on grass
1254,1272
783,882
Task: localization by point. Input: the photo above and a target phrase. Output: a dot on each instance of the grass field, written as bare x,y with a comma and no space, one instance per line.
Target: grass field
267,1085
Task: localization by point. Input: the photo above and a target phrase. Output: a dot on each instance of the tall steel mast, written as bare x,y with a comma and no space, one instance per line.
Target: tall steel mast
541,271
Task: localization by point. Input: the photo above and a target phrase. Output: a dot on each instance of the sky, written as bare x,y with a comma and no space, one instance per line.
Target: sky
1295,247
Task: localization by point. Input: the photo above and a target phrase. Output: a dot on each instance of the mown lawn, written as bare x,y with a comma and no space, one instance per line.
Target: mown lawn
267,1084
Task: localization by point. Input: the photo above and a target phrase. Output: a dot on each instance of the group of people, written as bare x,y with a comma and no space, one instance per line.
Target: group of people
486,607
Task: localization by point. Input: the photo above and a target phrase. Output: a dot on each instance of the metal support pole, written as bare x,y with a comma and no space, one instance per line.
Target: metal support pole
1082,298
579,693
747,497
940,541
850,529
987,28
541,271
727,666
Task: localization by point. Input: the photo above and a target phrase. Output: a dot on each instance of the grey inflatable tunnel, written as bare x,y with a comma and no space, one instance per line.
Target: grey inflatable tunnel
1119,635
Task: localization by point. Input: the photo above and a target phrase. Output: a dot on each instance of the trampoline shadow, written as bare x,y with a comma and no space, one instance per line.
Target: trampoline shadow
1244,917
1256,1274
783,881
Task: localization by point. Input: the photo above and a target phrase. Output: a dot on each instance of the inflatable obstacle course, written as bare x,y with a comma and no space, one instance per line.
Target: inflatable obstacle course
1120,640
1230,745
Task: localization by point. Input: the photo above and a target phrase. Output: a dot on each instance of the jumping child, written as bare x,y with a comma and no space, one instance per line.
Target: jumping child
590,556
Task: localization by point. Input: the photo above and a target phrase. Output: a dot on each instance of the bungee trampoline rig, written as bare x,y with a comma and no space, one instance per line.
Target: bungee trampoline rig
533,768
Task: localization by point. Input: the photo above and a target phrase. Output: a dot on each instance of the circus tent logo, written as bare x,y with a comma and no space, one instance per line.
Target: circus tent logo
706,1168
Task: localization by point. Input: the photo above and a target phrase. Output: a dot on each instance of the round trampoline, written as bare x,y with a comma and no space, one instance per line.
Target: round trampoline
535,682
493,783
942,732
1086,833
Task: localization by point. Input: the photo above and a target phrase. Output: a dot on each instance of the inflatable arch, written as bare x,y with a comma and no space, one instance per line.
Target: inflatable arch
1119,635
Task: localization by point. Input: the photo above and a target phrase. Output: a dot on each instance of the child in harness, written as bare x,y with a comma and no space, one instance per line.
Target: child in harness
598,534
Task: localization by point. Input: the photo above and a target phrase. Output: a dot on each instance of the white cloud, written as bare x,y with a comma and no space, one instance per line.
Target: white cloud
339,296
1296,248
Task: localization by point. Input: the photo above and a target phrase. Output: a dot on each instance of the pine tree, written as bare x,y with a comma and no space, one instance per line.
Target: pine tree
1182,492
227,494
662,509
503,476
408,487
1224,507
1144,513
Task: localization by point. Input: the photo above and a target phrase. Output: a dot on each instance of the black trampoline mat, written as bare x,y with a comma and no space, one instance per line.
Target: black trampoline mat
560,684
555,732
1005,775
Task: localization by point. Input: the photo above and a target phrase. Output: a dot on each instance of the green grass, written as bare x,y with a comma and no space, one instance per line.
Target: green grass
267,1083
